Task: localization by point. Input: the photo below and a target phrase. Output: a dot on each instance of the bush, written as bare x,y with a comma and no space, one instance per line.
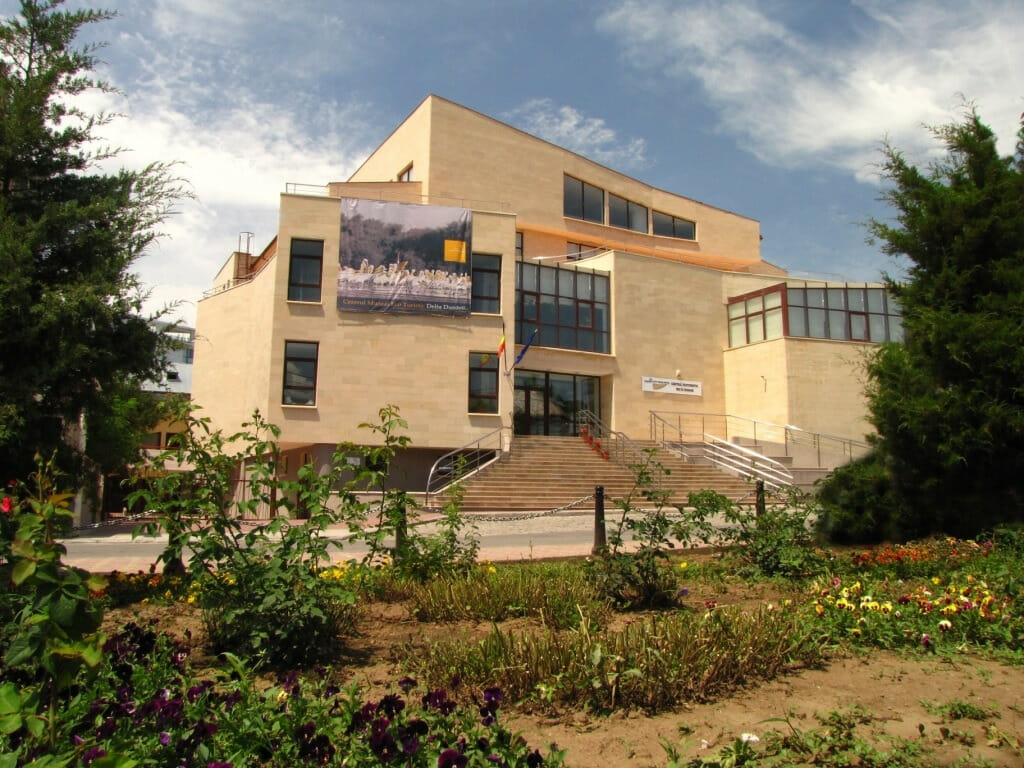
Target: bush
858,505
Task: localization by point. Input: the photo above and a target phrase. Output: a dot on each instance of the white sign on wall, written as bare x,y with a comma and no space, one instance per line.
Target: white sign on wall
671,386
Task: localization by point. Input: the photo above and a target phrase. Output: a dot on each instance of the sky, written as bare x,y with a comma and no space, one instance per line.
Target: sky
776,110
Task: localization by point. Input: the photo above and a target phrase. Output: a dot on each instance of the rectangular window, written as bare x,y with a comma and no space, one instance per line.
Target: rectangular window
583,201
486,271
483,382
519,246
568,307
667,225
626,214
300,363
756,317
305,269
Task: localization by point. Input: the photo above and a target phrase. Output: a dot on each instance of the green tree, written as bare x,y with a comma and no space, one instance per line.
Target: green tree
948,403
70,306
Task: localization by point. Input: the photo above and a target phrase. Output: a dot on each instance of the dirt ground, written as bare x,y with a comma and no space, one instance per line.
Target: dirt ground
893,691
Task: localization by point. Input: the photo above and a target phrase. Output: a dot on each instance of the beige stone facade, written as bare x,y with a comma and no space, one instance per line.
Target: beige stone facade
667,317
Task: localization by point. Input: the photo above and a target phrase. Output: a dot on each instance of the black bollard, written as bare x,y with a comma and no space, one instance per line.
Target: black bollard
600,536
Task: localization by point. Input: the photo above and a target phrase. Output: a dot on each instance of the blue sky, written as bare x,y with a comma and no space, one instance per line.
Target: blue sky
775,110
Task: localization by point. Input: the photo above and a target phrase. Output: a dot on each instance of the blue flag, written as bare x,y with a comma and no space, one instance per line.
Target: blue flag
526,346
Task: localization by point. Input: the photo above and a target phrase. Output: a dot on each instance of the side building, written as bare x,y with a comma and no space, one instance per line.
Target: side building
461,236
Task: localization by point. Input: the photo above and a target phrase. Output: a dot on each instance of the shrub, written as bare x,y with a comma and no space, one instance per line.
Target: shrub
858,505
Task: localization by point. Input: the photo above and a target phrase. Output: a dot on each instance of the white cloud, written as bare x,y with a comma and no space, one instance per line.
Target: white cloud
237,162
569,128
793,100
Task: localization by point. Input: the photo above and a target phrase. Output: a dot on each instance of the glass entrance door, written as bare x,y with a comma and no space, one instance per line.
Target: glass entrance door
548,403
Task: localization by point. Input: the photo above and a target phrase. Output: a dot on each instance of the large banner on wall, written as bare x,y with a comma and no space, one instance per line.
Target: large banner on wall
400,257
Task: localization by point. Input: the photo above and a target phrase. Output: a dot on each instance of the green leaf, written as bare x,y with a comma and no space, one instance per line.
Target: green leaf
10,723
10,699
22,571
22,648
35,725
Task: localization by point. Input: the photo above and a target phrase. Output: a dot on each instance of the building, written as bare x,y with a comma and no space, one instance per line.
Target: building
460,235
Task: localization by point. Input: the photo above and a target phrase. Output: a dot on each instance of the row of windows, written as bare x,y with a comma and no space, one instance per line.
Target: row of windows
587,202
300,369
567,308
847,313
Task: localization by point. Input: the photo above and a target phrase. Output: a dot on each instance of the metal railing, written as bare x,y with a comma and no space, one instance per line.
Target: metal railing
806,449
462,462
733,458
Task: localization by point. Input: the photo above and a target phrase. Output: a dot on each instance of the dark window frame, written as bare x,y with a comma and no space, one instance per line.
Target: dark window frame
290,355
299,290
679,228
552,310
761,313
485,364
480,302
635,215
829,309
577,204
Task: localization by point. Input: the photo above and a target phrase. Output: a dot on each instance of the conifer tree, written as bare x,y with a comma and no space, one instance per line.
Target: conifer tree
948,403
71,328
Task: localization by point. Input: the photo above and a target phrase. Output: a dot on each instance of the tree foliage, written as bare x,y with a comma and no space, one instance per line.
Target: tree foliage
70,306
948,403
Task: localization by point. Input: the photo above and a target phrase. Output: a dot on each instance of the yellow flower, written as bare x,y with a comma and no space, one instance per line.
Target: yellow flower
683,565
936,580
886,607
491,569
949,609
190,599
819,609
167,594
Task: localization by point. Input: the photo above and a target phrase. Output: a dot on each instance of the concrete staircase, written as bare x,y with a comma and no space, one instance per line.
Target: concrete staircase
549,472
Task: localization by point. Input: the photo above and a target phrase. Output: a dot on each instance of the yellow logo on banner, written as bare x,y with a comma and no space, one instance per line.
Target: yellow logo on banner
455,250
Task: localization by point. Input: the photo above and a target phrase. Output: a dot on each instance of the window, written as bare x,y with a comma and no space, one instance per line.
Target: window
519,246
574,251
405,174
304,270
842,313
756,317
672,226
583,201
567,306
626,214
300,360
486,271
483,382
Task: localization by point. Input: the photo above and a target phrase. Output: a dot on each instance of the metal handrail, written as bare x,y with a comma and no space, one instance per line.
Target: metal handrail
623,451
462,462
808,449
746,463
733,458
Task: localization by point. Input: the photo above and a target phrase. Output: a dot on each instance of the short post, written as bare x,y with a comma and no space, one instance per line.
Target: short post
401,530
600,536
760,498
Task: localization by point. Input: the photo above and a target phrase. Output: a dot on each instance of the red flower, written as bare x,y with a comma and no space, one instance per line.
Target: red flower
7,505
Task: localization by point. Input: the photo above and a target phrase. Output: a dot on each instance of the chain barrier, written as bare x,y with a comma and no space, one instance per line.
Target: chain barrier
108,523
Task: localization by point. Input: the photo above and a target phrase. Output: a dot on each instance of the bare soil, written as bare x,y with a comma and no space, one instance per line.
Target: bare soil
893,691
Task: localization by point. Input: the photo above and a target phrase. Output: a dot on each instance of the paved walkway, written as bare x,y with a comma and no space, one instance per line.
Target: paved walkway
566,534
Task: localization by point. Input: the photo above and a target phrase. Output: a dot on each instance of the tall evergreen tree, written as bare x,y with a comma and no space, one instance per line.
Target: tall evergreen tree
71,329
948,403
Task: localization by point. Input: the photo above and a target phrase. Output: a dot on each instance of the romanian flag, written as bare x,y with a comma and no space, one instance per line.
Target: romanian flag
501,346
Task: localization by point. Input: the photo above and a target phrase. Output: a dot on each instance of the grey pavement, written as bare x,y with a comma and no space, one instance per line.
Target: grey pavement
109,548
